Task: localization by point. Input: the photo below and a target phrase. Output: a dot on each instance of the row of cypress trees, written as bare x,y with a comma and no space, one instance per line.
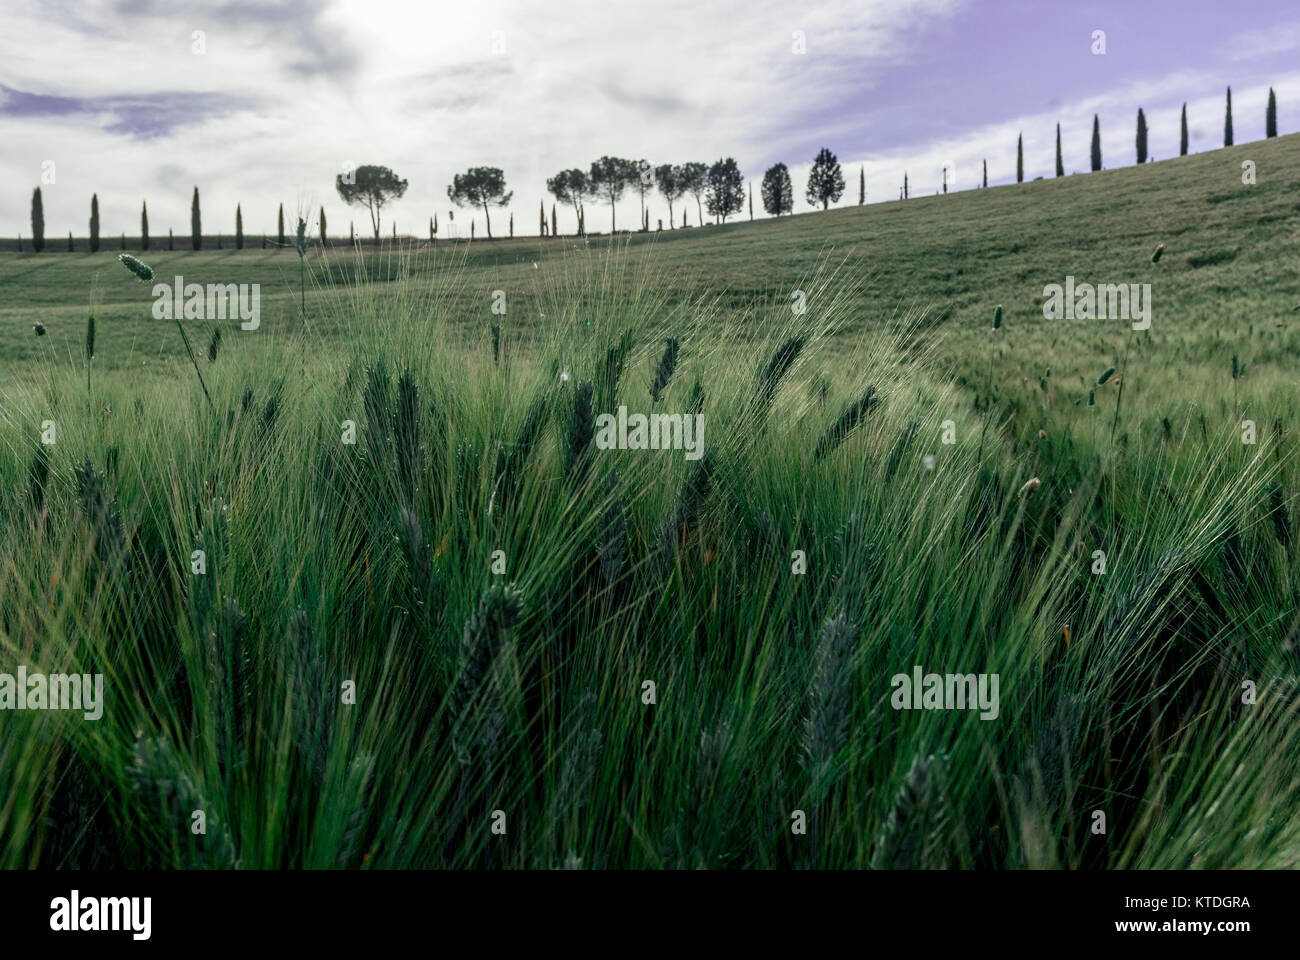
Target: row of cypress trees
38,226
196,221
196,226
1270,130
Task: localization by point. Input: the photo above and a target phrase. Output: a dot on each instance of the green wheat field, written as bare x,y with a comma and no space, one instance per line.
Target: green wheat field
685,663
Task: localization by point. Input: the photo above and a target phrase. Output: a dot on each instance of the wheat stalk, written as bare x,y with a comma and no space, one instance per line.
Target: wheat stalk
313,708
916,819
771,376
162,785
357,788
145,273
613,532
582,426
407,442
849,419
1278,512
485,634
687,509
830,703
664,370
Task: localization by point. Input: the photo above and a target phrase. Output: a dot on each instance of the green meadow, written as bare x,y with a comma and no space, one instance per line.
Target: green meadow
377,594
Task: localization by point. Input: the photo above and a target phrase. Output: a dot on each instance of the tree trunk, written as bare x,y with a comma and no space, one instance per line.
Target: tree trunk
488,216
671,224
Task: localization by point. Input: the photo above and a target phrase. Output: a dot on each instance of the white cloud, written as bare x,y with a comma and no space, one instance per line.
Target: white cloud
420,88
296,89
1254,44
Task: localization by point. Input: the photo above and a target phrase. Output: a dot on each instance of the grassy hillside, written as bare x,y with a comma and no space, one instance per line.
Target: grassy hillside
1225,284
431,602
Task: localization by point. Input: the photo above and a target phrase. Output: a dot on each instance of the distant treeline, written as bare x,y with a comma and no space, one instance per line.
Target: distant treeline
718,189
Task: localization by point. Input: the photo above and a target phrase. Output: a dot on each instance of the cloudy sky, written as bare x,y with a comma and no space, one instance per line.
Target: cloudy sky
271,98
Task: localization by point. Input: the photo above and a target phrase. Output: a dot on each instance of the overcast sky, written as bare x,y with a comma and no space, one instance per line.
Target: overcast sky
114,94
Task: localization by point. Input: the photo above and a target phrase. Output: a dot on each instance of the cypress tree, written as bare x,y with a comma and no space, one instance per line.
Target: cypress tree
1182,140
94,223
1270,116
124,241
71,248
1060,165
862,191
196,222
945,179
1020,158
171,239
512,224
38,221
554,223
1227,122
144,225
1096,143
1142,137
239,227
352,233
905,194
541,218
986,172
324,240
279,233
